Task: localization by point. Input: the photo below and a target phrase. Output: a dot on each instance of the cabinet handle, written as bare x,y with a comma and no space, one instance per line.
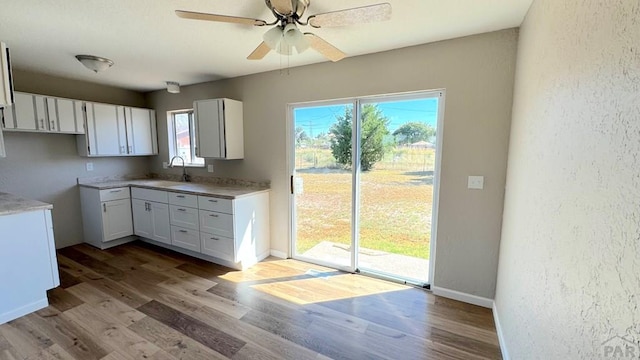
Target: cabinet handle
42,124
182,209
130,149
180,196
216,239
146,206
183,231
213,201
104,207
115,191
53,125
213,215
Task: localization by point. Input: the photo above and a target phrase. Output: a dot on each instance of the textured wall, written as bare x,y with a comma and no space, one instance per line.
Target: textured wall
569,273
478,74
45,166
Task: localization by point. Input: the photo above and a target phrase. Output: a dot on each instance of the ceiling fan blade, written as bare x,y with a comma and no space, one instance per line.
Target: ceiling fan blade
283,7
327,50
260,52
359,15
219,18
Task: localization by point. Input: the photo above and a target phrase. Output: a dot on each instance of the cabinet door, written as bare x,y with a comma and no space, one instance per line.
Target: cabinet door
124,128
141,218
41,113
160,229
2,151
25,111
66,115
107,137
51,114
80,116
8,119
139,131
208,128
116,219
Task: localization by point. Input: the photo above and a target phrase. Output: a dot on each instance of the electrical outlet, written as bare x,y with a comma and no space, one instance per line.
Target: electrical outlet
165,165
475,182
89,166
210,168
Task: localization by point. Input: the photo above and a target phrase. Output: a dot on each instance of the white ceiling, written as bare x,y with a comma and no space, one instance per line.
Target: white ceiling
150,45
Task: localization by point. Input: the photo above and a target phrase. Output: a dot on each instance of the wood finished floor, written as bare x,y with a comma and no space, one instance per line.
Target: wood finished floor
138,301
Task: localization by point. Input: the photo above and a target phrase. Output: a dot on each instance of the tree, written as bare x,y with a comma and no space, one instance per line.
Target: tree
374,129
301,135
413,132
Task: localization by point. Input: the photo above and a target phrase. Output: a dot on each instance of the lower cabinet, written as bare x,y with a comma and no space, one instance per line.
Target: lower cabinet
150,220
232,232
28,263
107,216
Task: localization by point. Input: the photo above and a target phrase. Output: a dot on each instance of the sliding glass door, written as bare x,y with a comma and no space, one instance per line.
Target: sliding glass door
364,181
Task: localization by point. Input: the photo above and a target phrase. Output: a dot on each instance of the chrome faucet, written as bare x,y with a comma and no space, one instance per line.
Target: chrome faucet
185,176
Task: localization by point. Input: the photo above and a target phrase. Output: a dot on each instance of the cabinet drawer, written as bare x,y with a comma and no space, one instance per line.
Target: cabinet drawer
149,195
183,216
183,200
216,223
185,238
217,246
215,204
114,194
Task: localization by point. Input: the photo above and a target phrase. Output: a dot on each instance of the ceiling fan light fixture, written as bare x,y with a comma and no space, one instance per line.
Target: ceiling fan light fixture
294,38
94,63
273,37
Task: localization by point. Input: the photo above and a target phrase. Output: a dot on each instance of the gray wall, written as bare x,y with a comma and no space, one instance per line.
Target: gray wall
478,74
45,166
569,274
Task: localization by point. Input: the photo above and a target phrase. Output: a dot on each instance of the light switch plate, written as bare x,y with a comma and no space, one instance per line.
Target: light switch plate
89,166
475,182
210,168
165,165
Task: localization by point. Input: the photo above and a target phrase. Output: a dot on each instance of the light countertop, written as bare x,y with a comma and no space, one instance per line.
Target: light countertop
14,204
215,190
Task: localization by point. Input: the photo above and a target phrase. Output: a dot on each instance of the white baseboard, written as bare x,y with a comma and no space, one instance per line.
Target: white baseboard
464,297
279,254
24,310
501,340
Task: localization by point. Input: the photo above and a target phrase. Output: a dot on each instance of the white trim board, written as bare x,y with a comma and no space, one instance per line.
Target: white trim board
501,339
24,310
464,297
278,254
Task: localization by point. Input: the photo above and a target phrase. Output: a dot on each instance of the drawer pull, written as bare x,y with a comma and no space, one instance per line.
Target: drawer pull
115,191
213,215
182,209
180,196
214,201
183,231
216,239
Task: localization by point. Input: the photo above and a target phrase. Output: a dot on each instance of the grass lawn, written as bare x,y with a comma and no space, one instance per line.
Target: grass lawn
395,209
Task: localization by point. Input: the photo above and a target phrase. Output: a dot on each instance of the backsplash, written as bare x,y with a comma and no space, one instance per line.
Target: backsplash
170,177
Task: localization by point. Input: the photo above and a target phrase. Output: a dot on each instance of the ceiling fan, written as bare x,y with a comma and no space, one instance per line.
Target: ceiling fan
285,35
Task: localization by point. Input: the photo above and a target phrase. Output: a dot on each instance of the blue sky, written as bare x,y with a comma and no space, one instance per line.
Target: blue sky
315,120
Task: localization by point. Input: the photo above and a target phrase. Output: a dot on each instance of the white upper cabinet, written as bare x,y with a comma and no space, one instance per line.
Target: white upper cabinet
141,131
6,80
44,114
2,152
24,112
219,129
114,130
